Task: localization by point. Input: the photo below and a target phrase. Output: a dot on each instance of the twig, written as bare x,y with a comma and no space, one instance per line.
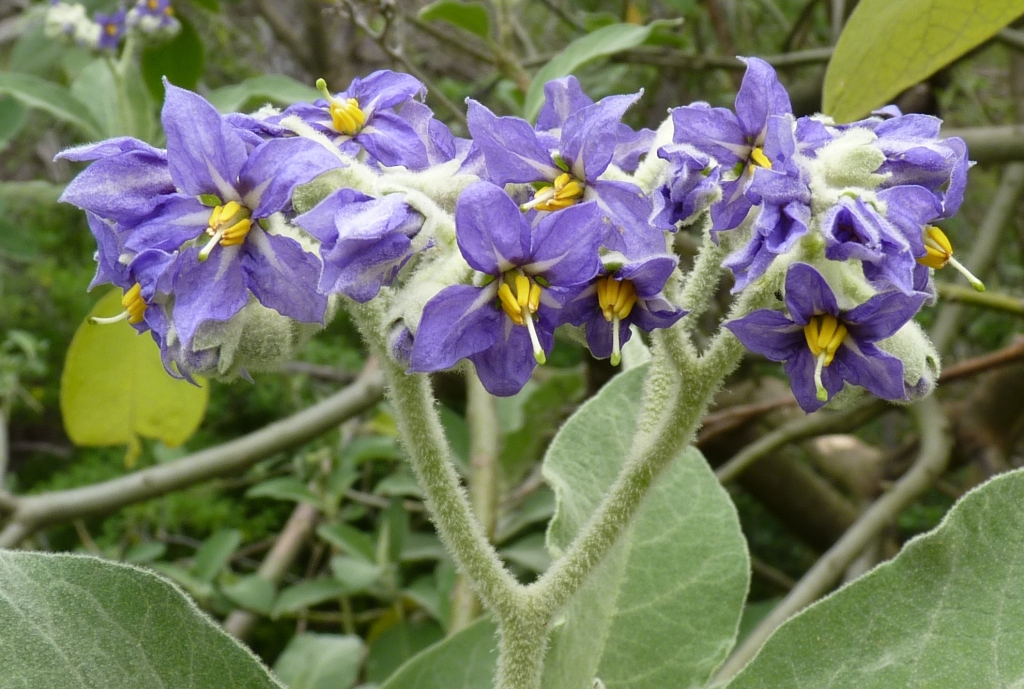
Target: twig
277,562
972,367
282,29
35,512
998,144
798,429
458,43
1011,37
936,445
567,18
380,502
319,371
987,300
667,57
771,574
725,420
984,249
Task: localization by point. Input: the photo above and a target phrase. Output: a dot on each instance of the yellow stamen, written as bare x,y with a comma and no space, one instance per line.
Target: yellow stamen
134,308
521,305
757,157
510,304
346,115
939,254
564,192
229,225
824,334
615,298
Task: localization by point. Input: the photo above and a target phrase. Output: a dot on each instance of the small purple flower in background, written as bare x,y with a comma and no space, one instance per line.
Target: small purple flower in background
566,167
153,17
737,140
783,195
364,241
823,345
112,28
506,325
629,295
365,117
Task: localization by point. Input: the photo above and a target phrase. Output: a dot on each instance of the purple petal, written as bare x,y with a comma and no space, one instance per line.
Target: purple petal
565,246
648,274
108,253
384,89
808,294
276,167
866,365
625,211
714,131
800,370
654,313
458,322
590,136
283,276
882,315
760,96
510,146
391,140
491,231
109,148
213,290
177,220
562,98
122,188
204,152
770,334
505,366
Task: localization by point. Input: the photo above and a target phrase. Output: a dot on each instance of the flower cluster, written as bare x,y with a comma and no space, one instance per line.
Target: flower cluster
153,19
236,241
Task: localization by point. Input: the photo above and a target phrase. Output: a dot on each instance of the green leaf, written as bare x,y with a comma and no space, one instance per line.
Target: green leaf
349,539
394,527
12,119
944,614
468,16
283,488
214,553
212,5
356,573
308,593
114,387
274,88
71,621
396,645
132,114
605,41
54,99
465,660
528,552
662,609
252,592
320,661
145,552
180,59
196,587
889,46
537,508
401,484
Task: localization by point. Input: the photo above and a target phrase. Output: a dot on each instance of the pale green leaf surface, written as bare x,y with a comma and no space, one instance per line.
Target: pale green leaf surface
606,41
307,594
349,539
283,488
946,613
252,592
663,607
889,46
273,88
320,661
128,114
214,553
77,622
397,644
469,16
465,660
354,572
51,98
114,387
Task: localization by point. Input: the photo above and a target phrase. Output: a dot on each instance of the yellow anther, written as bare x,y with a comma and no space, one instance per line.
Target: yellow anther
510,304
346,116
522,291
937,248
757,157
824,335
615,298
534,302
134,304
564,192
229,225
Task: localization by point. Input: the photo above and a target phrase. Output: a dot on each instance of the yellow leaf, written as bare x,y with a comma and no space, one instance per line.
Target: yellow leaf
114,388
888,46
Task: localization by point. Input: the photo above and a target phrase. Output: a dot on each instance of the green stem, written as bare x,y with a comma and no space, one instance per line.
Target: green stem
988,300
423,437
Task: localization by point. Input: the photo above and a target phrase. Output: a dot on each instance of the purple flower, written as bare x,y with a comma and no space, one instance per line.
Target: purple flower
693,181
737,140
505,322
565,97
784,196
153,16
365,117
566,165
631,294
855,230
823,345
112,28
364,241
220,189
